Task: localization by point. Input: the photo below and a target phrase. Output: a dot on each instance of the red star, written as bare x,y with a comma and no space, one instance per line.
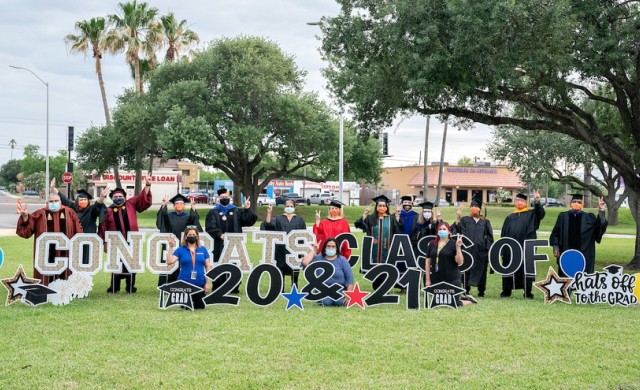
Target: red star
356,296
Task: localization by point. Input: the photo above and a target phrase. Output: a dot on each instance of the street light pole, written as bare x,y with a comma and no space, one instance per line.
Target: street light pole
341,154
46,180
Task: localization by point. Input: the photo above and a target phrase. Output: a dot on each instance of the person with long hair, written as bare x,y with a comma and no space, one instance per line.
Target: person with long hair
444,257
332,226
343,274
194,263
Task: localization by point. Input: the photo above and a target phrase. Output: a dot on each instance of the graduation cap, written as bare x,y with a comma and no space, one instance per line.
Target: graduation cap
116,190
443,295
83,194
575,197
477,202
178,293
407,197
381,198
223,191
613,269
427,205
336,203
522,196
179,198
36,294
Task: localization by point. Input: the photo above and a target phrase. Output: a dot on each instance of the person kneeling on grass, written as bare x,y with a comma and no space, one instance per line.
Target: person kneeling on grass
343,274
444,257
194,263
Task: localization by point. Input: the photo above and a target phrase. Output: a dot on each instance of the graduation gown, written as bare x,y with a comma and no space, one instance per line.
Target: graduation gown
173,222
481,234
89,215
520,226
382,240
281,223
579,231
44,221
332,228
410,225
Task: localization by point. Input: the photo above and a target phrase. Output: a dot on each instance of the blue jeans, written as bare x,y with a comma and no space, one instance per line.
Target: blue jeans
331,302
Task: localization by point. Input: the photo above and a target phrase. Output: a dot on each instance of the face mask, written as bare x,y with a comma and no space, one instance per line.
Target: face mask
520,204
179,207
289,210
54,206
475,210
118,201
334,212
330,252
83,203
443,234
406,207
192,240
225,201
427,215
381,208
576,206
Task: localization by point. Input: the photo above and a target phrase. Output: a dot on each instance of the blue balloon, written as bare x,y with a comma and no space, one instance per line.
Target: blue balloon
572,262
1,257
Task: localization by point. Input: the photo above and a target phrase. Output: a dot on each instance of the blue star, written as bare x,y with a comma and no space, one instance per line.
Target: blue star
294,298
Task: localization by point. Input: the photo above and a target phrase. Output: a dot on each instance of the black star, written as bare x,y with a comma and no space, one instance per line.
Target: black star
14,285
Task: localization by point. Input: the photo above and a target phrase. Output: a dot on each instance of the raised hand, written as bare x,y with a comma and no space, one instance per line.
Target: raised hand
165,199
148,180
247,202
52,186
269,208
105,192
21,209
459,213
601,204
536,196
459,241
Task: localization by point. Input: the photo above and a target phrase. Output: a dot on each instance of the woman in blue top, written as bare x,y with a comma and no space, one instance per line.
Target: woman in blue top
342,275
194,263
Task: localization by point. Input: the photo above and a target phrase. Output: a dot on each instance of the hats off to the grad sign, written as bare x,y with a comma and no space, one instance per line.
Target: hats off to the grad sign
336,203
426,205
223,191
476,202
381,198
575,197
522,196
83,194
116,190
407,197
179,198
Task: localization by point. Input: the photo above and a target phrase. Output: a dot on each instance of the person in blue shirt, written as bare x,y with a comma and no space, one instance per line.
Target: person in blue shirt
194,263
343,274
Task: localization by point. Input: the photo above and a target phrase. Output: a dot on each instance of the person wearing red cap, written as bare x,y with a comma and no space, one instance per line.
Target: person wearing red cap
122,217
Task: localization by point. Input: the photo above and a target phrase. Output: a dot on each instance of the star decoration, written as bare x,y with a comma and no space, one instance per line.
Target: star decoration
178,293
356,296
443,295
14,285
294,298
554,287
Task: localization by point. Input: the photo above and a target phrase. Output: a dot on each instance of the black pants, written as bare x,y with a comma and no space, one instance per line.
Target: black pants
507,285
116,280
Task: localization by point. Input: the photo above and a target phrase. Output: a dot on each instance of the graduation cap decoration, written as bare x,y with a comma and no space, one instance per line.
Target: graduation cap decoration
476,202
336,203
83,194
178,293
442,294
522,196
381,198
427,205
613,269
576,197
116,190
223,191
14,285
406,197
36,294
179,198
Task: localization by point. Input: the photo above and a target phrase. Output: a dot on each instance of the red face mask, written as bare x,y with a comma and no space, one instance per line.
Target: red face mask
83,203
179,207
575,206
334,212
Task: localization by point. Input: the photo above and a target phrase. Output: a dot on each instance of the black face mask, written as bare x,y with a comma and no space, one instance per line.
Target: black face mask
225,201
406,207
192,240
118,201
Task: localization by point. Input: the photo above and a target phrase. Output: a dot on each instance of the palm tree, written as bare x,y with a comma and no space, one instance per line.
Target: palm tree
92,35
176,36
135,30
12,145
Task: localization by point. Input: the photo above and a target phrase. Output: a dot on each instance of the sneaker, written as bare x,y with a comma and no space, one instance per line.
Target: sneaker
470,298
481,295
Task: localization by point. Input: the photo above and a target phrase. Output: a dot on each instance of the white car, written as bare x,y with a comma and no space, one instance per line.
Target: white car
320,199
263,199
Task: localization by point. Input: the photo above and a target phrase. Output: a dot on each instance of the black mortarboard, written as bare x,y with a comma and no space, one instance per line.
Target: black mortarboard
83,194
577,197
381,198
476,202
36,293
521,196
407,197
613,269
179,198
179,293
336,203
426,205
222,191
117,189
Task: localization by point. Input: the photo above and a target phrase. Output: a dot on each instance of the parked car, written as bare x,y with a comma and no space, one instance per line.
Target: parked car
2,188
264,199
297,199
442,203
31,193
198,197
551,202
320,199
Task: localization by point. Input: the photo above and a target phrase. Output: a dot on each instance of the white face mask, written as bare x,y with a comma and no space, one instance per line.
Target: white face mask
427,215
289,210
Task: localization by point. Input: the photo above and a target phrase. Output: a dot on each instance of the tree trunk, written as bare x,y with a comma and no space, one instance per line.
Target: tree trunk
138,185
116,174
425,183
612,208
136,74
587,181
634,205
444,142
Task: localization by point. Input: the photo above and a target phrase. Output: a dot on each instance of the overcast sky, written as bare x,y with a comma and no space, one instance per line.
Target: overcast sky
31,36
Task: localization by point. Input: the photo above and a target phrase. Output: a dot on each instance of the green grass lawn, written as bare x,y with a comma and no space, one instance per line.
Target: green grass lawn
125,341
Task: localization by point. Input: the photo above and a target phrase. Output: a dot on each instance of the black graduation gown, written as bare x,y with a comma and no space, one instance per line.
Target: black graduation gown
233,222
481,234
172,222
281,223
520,226
88,216
443,267
591,230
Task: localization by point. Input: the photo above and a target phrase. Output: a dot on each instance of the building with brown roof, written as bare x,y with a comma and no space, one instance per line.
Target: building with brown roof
459,184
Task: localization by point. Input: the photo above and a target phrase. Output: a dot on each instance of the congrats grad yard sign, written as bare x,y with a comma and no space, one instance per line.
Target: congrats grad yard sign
235,262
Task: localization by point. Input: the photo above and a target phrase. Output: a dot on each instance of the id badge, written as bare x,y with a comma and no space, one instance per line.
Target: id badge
194,275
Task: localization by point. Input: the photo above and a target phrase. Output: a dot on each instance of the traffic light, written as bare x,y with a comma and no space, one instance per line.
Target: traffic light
70,139
385,144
